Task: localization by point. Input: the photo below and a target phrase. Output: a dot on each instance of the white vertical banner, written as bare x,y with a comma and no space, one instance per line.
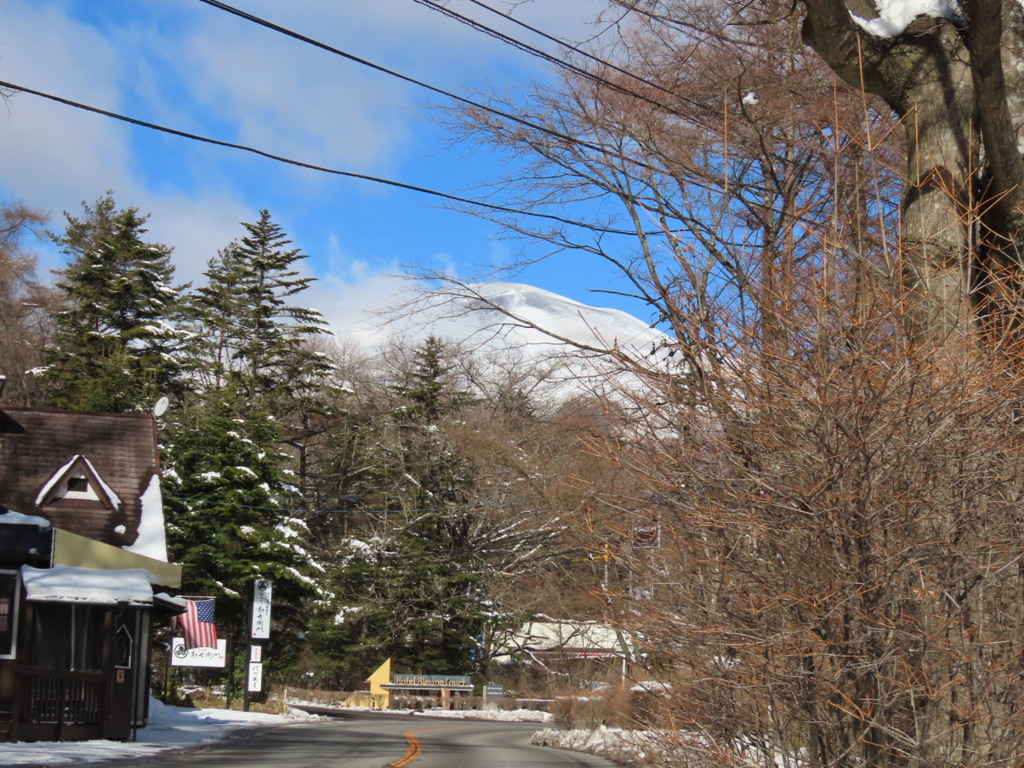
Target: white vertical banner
255,677
261,610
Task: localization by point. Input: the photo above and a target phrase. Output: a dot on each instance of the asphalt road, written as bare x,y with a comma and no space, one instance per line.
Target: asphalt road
362,740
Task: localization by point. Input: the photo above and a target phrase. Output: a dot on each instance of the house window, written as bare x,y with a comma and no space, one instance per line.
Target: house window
8,613
78,485
67,637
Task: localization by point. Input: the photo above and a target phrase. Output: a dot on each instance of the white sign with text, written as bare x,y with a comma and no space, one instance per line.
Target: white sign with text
198,657
261,609
255,677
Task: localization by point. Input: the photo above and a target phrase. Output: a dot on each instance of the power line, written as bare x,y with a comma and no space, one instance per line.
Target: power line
432,4
319,168
572,140
434,89
516,43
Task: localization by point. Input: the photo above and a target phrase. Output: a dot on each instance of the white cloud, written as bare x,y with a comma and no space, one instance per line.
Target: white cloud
53,156
196,227
353,304
282,95
192,67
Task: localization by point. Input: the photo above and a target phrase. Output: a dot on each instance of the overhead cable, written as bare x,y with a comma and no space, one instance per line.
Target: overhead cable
526,48
434,89
573,48
319,168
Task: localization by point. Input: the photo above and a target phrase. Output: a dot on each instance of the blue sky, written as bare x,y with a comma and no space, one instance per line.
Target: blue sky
186,65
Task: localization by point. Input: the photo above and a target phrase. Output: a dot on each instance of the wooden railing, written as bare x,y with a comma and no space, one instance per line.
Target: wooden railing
55,701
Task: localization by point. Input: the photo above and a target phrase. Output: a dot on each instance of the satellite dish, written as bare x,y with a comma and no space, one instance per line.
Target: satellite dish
161,407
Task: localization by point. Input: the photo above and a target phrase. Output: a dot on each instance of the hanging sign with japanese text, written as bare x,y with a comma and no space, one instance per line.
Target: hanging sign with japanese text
198,657
255,677
261,610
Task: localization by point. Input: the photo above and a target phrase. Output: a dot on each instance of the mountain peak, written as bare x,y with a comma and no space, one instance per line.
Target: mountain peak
540,316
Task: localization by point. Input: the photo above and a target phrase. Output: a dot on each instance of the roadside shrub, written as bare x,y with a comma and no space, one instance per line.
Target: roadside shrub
610,706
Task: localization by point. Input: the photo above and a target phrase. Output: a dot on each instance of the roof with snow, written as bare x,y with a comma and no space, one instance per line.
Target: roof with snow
68,583
94,474
579,639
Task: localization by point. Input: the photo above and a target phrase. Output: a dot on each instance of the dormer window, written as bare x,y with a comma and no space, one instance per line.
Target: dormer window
77,480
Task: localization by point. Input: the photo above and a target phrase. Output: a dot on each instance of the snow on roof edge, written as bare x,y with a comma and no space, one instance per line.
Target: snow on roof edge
72,583
10,517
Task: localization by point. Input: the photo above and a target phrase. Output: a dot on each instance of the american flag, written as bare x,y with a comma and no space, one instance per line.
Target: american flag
197,624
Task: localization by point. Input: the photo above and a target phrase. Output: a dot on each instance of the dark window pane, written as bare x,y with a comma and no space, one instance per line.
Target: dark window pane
87,653
48,639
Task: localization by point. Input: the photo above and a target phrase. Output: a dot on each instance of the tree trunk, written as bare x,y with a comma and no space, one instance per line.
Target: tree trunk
955,85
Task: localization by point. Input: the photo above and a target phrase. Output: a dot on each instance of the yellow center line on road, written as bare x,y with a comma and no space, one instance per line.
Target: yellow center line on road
415,748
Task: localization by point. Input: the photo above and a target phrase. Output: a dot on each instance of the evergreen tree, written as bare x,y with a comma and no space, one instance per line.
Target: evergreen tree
249,332
429,384
115,348
416,589
255,333
410,594
418,454
228,493
214,309
231,492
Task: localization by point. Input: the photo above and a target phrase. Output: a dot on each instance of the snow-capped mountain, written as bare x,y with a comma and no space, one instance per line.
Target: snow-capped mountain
524,316
517,327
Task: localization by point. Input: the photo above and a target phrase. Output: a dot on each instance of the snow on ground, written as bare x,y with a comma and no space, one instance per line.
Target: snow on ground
641,748
169,727
508,715
622,747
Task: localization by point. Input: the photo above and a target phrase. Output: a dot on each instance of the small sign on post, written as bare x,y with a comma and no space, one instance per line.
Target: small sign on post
255,681
259,629
261,610
492,695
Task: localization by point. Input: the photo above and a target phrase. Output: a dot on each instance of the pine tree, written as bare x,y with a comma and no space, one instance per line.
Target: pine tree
229,493
214,309
116,348
428,469
429,384
417,588
264,335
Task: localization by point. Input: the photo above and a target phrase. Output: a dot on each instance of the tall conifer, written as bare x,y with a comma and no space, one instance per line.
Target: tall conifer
230,491
259,272
115,347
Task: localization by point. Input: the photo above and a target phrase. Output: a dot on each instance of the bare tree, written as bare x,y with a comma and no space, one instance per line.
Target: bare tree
742,159
951,75
814,527
26,306
836,579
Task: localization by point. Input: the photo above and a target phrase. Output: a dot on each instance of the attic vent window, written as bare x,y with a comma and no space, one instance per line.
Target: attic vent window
78,479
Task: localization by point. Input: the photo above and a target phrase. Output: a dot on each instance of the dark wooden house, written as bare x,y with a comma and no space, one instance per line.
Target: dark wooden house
83,572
